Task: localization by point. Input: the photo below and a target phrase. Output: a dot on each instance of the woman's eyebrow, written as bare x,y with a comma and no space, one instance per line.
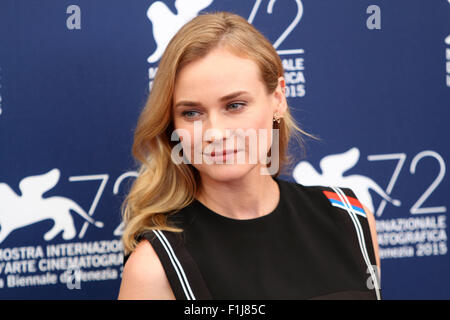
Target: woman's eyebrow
232,95
222,99
187,104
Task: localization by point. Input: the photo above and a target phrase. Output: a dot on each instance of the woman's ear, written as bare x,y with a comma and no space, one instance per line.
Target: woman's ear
280,97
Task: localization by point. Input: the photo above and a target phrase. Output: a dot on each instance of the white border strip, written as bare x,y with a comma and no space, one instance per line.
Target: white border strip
360,235
176,264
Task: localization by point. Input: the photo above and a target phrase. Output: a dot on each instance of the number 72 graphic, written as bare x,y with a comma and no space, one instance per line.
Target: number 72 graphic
104,180
401,157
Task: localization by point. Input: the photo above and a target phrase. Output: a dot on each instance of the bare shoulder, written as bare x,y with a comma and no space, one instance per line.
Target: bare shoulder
144,277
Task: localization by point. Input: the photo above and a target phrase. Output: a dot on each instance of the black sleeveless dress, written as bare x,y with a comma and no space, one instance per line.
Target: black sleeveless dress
315,244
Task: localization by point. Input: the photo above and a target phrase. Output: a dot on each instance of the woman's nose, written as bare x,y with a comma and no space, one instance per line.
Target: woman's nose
216,128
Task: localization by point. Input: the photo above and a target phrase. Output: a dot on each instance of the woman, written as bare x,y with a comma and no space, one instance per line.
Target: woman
215,223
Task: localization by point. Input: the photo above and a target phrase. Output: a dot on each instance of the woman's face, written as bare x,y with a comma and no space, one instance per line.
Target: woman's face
220,104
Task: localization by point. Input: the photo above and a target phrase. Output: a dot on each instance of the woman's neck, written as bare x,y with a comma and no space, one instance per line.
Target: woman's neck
249,197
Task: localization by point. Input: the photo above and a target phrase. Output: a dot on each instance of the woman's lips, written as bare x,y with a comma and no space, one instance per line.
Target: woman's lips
223,153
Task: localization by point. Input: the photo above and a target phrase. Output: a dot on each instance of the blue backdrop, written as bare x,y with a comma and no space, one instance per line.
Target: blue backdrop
370,78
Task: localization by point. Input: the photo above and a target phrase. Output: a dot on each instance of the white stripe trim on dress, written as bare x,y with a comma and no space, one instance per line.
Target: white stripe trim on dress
345,208
176,264
360,235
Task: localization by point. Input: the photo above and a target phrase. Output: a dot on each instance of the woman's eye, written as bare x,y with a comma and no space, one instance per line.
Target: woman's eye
189,114
236,106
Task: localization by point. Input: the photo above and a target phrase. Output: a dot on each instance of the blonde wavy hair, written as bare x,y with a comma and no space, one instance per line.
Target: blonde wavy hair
162,187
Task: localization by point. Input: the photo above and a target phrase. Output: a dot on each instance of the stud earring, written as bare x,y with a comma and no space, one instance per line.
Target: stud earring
276,118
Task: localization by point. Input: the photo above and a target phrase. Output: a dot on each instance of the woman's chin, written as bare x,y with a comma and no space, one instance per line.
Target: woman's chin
224,172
